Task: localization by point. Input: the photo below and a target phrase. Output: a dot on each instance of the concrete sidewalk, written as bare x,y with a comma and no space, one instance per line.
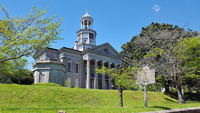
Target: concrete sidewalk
186,110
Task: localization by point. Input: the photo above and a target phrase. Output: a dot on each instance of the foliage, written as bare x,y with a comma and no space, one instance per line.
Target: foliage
27,80
165,48
125,78
192,65
31,99
22,36
172,53
132,52
47,84
15,69
5,80
67,83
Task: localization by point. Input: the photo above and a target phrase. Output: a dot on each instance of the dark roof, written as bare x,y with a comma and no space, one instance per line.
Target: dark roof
70,49
52,48
63,48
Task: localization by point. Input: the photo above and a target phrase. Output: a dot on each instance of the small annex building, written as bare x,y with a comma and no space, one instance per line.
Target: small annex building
76,66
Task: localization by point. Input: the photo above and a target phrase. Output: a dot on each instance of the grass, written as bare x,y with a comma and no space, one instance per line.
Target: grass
51,99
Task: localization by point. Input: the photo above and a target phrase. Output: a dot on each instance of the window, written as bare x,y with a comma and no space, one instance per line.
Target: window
76,82
69,66
77,67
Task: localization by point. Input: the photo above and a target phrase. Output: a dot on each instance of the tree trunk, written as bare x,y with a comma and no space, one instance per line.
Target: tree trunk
197,89
180,95
183,91
120,97
19,81
166,86
189,89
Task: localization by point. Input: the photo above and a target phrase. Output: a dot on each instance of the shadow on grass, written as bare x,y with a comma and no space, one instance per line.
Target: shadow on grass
164,108
188,96
169,100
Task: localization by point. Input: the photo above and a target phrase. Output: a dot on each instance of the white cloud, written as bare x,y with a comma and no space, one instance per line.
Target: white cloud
156,8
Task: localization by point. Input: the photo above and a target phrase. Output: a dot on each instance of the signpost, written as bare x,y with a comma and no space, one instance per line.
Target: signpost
145,77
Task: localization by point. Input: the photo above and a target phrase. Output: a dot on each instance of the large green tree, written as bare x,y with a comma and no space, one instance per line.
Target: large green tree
160,43
22,36
192,66
173,54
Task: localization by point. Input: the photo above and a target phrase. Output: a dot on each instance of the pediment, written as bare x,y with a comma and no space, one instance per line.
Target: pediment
106,49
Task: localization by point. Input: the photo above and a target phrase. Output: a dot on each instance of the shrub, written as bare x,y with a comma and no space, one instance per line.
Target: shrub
173,90
47,84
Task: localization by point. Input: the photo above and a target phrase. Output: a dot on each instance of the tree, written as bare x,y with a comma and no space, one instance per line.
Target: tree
15,69
22,36
19,69
132,53
25,80
174,51
192,73
124,78
160,44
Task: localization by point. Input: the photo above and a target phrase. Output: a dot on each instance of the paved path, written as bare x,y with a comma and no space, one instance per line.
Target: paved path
186,110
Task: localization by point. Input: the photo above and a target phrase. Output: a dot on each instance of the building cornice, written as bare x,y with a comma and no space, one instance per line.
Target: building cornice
95,52
48,62
86,30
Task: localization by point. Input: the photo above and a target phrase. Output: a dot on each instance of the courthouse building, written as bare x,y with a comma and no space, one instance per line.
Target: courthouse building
77,65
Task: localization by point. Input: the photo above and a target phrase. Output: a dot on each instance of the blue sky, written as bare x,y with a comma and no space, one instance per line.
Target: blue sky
115,21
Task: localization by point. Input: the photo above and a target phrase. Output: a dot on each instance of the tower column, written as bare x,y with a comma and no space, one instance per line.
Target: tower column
96,75
103,76
81,24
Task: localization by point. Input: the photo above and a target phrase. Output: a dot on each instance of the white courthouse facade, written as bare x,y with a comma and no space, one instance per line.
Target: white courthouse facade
77,65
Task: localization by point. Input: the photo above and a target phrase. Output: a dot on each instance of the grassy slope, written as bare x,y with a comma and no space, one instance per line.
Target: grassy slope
49,99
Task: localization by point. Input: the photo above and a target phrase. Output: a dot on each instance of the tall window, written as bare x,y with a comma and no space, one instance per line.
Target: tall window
77,67
69,66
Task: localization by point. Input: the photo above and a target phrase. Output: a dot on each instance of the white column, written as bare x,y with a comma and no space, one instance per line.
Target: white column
87,24
88,74
109,82
96,75
81,24
103,76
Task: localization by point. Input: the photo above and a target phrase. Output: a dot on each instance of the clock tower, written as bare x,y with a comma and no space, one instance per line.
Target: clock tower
86,37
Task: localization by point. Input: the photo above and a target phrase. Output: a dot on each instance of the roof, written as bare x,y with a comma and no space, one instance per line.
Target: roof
86,16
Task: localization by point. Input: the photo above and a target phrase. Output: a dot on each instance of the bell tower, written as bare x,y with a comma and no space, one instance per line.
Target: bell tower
86,36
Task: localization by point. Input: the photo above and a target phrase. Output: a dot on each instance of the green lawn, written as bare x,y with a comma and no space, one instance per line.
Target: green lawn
50,99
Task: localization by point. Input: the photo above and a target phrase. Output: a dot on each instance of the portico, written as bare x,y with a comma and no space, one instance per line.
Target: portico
95,80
